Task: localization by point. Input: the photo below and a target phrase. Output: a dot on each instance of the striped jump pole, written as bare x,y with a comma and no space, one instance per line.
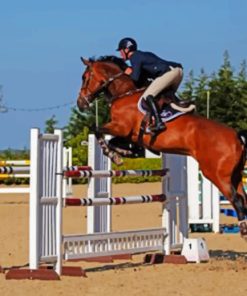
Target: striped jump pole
14,170
21,169
7,176
14,162
113,173
86,202
78,168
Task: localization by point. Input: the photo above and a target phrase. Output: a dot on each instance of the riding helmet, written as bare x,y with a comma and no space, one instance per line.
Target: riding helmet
127,42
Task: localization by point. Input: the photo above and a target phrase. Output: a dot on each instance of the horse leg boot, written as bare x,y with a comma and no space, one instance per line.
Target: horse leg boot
113,155
238,204
159,125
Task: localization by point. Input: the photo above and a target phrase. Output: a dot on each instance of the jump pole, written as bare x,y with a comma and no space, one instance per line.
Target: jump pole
21,169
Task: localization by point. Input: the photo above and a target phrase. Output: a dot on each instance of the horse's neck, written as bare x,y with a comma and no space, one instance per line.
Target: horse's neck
128,102
121,85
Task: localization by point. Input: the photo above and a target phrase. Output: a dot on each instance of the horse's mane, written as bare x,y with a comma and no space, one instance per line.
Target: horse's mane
113,59
143,81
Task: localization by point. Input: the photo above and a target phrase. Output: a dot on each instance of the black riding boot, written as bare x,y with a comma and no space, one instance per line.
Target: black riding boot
159,125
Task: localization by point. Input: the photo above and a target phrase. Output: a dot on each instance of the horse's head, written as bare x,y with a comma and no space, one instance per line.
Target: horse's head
101,75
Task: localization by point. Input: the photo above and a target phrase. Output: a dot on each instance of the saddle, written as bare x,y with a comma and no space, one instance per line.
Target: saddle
168,101
167,98
169,107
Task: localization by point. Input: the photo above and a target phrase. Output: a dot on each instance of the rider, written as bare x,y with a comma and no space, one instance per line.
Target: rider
163,73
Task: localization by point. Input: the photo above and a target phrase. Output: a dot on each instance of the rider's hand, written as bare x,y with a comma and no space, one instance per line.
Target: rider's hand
128,71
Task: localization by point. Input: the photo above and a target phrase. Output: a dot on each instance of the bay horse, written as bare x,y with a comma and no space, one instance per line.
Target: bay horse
219,149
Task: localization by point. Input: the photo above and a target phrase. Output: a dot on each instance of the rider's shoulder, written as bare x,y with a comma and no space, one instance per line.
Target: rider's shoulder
139,54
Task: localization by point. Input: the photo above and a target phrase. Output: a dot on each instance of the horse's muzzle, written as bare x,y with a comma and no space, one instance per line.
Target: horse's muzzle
82,103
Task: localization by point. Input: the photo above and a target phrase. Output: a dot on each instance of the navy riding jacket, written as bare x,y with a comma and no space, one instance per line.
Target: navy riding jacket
149,63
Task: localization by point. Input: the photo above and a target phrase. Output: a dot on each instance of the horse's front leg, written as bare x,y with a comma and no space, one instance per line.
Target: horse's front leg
114,129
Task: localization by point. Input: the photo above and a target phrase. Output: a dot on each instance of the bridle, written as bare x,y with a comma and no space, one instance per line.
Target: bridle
88,99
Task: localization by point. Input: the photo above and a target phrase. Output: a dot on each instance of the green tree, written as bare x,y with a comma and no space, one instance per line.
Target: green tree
189,84
200,92
227,94
80,125
240,91
50,124
88,118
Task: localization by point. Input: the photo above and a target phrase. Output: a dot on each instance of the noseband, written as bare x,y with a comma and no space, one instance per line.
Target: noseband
88,99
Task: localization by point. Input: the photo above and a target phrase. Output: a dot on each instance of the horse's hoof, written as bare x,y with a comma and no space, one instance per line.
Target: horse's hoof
117,159
243,228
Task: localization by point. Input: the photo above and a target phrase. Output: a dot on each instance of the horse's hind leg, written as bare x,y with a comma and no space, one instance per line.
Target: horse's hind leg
239,198
239,203
232,189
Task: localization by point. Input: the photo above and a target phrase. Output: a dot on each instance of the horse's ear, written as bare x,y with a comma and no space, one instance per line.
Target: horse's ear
85,62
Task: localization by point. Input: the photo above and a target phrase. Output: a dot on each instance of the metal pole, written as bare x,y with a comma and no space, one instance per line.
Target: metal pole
97,113
208,103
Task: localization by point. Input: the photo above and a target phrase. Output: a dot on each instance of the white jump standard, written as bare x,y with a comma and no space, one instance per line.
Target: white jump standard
47,242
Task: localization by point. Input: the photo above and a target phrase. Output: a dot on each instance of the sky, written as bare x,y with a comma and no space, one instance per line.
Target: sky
42,42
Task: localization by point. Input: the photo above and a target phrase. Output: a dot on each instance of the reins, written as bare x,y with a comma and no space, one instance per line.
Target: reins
128,93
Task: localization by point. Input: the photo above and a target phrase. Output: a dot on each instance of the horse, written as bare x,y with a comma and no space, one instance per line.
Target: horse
219,149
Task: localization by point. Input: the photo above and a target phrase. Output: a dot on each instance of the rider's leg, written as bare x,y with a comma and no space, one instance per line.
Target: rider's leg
149,96
170,79
170,82
178,77
159,125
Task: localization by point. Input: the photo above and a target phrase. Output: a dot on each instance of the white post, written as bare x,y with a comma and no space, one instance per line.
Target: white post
175,212
193,189
98,217
166,218
59,192
67,162
34,212
215,208
207,199
208,103
183,218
